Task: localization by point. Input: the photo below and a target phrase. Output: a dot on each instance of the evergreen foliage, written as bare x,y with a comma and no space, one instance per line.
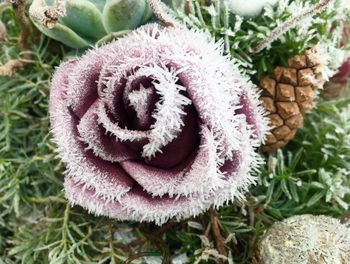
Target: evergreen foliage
242,35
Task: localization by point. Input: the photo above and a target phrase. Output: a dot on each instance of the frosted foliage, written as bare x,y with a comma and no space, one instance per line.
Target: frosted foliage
306,239
156,125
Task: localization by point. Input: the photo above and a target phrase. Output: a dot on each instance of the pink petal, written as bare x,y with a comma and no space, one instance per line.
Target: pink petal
195,175
180,148
104,145
110,180
123,134
84,78
136,205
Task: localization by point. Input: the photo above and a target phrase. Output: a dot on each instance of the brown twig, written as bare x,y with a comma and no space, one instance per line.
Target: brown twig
10,68
137,256
160,12
254,260
216,230
137,242
207,230
187,8
251,214
154,237
19,11
261,208
290,23
165,228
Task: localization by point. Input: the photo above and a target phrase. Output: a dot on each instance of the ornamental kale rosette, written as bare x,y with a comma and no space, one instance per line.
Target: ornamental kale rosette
156,125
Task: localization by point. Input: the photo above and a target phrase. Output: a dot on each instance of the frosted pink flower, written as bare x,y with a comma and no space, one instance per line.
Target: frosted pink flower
156,125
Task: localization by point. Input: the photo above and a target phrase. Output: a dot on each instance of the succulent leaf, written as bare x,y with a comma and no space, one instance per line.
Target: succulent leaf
84,18
147,13
65,35
99,4
88,21
123,14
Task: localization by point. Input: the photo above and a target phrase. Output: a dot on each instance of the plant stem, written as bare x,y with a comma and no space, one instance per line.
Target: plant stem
215,226
19,10
10,68
161,14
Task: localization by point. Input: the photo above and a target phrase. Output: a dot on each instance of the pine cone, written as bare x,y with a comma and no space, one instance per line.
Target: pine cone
288,95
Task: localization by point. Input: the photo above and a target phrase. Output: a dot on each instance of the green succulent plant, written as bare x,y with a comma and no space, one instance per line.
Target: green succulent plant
88,21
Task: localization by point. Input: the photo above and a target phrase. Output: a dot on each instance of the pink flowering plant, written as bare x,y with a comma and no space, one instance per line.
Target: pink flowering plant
156,125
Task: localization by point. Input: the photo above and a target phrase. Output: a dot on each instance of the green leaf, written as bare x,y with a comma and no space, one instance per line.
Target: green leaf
123,14
315,198
65,35
296,159
270,192
285,189
99,4
84,18
293,191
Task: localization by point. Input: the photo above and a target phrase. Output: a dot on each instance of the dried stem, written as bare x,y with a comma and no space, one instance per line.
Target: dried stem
155,237
47,15
290,23
10,68
19,10
216,229
207,230
165,228
137,256
187,7
251,215
160,12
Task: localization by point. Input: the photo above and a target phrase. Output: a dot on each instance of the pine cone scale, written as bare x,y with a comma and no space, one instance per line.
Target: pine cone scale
295,122
285,92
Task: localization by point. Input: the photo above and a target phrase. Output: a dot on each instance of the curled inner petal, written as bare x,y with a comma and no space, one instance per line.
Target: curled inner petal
196,174
104,145
169,109
122,134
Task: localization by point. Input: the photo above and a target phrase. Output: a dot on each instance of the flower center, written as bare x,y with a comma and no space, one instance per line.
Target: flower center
141,100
